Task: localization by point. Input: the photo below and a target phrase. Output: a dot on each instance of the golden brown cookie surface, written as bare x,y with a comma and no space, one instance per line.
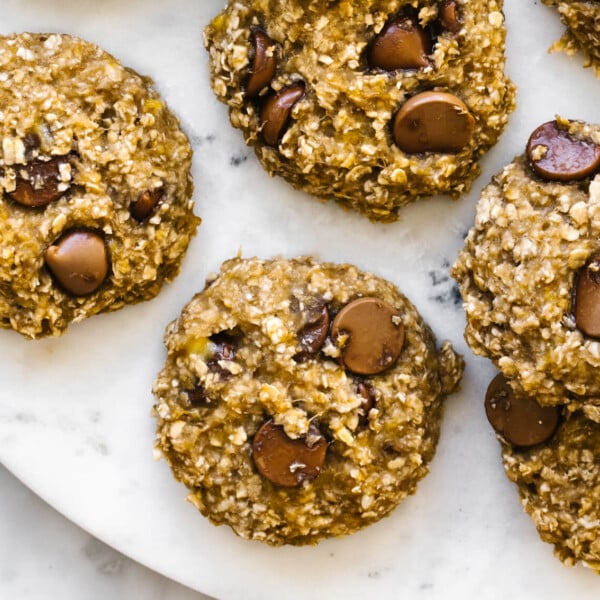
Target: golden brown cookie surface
527,272
95,184
270,429
335,96
559,483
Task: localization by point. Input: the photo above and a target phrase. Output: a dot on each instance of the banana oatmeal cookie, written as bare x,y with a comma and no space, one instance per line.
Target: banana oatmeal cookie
583,29
95,198
529,273
373,104
552,456
300,400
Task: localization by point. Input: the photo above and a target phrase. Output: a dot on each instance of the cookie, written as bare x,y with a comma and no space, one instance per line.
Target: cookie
95,185
528,270
583,29
552,457
300,400
373,104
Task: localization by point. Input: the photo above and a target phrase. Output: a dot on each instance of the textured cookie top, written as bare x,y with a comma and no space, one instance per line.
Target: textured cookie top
583,29
330,93
559,483
95,185
527,273
272,411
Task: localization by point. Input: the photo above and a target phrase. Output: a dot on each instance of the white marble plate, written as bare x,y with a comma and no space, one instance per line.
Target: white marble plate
75,419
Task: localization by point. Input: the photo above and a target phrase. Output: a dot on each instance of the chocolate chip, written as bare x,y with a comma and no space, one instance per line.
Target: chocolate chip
275,114
32,143
391,450
39,182
518,418
433,122
448,15
586,298
313,335
79,261
224,347
108,116
145,203
264,63
374,332
403,44
367,392
557,156
197,397
287,462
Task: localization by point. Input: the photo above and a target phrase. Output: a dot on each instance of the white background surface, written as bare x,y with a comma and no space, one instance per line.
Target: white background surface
44,556
75,412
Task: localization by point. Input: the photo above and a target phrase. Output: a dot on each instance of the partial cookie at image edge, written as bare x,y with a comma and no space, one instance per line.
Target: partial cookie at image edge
327,104
583,30
551,455
527,270
96,207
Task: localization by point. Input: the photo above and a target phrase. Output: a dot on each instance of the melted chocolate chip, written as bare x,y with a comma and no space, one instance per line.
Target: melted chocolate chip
371,335
224,349
264,63
39,182
197,397
519,419
313,335
586,298
433,122
79,261
448,15
287,462
557,156
32,142
367,392
145,204
276,111
402,44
